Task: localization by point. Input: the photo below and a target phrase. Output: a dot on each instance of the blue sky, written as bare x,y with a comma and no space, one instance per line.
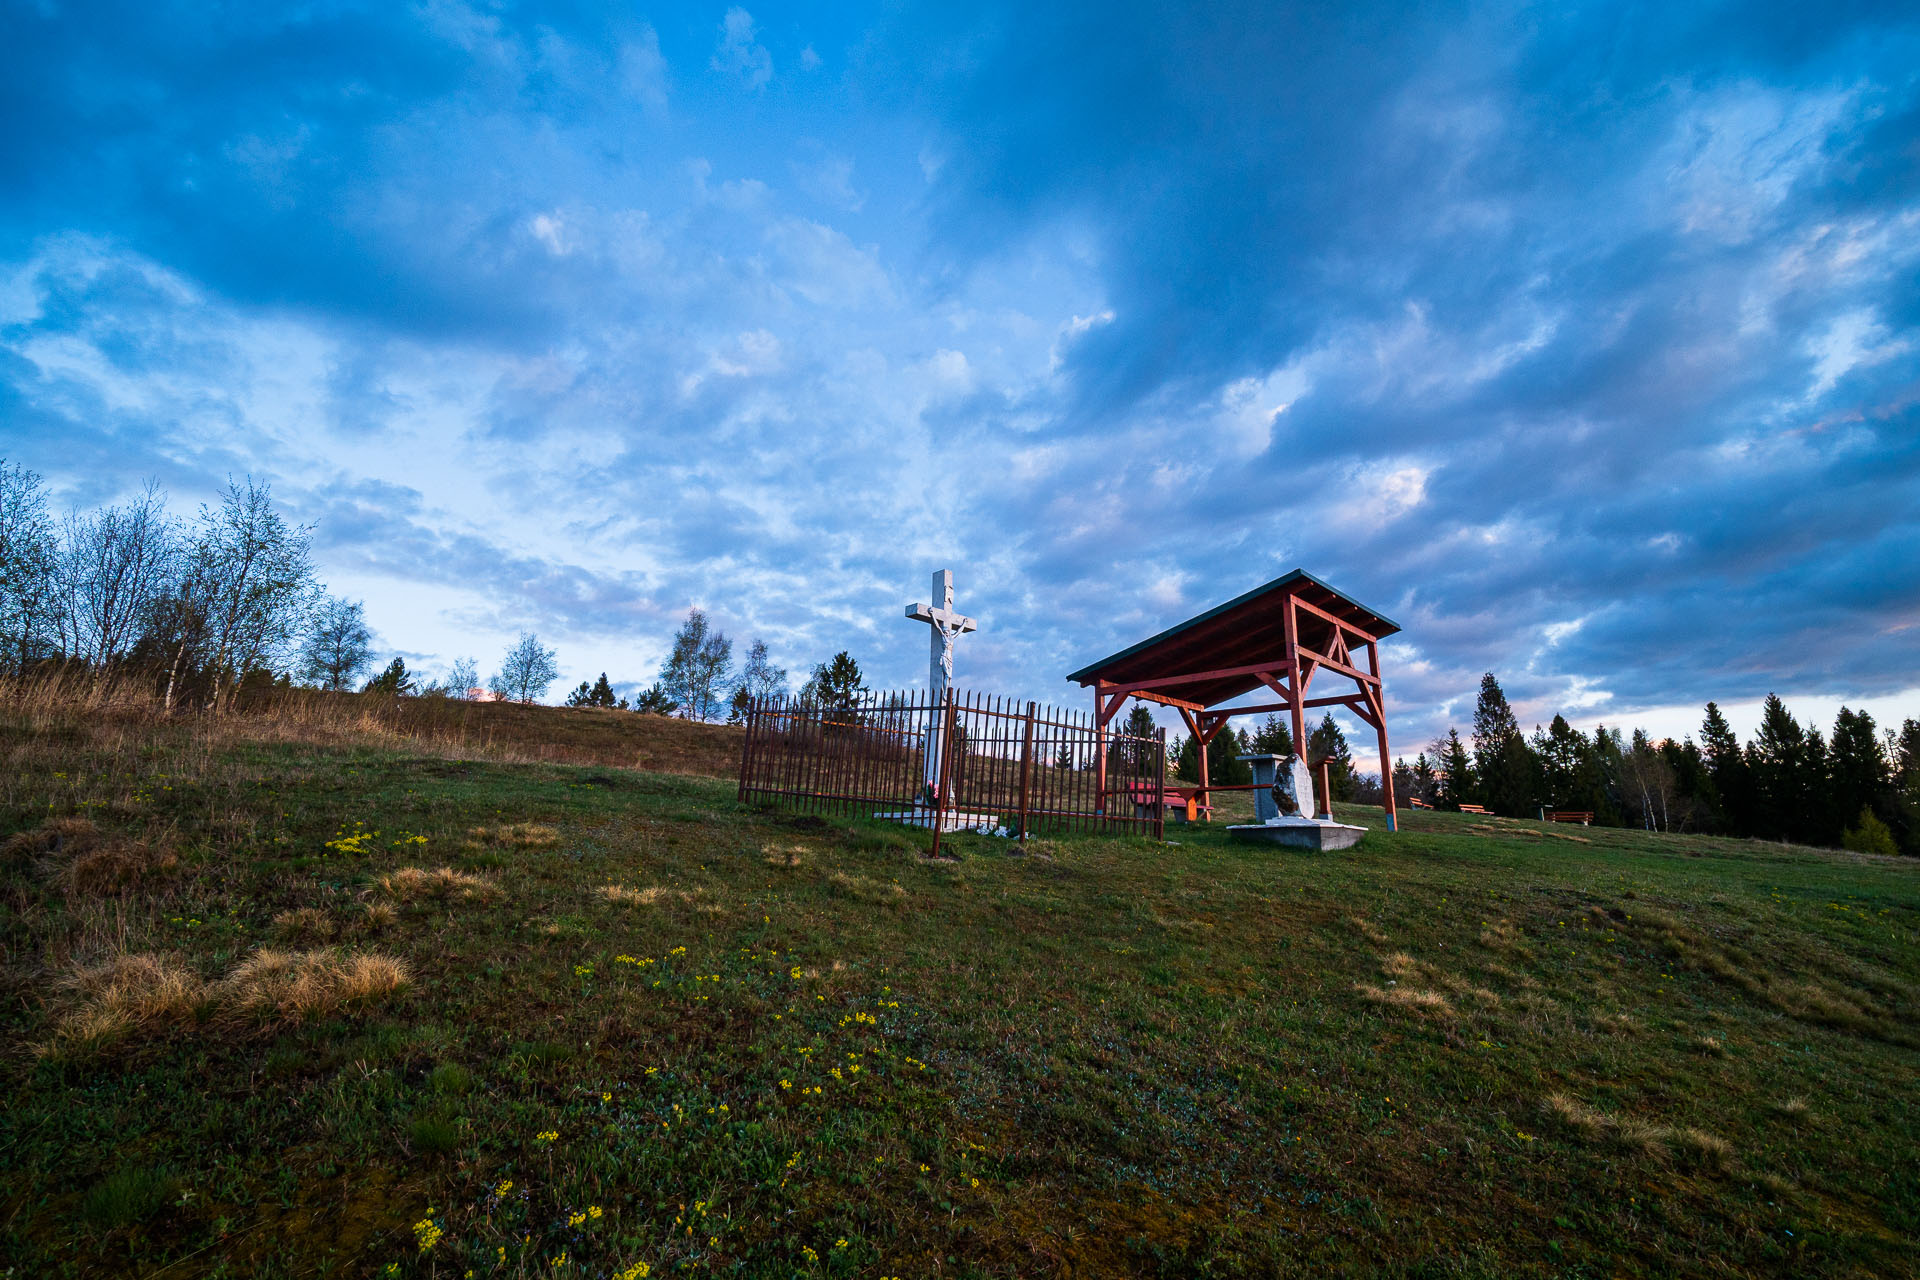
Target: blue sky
1584,341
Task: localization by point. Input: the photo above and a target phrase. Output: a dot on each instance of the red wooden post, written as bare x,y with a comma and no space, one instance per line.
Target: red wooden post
1100,752
1386,761
1160,790
1296,688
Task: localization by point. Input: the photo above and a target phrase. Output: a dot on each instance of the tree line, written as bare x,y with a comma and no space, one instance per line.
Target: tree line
1857,787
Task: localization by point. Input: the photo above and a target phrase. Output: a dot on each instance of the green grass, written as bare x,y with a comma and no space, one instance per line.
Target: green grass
1469,1048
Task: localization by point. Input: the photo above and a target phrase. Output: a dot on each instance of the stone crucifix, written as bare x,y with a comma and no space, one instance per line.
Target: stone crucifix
945,625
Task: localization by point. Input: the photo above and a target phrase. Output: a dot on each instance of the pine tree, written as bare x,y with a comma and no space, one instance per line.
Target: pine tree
1859,773
655,701
598,694
835,684
394,682
1457,783
1777,765
1906,786
1326,743
1273,737
1501,759
1732,795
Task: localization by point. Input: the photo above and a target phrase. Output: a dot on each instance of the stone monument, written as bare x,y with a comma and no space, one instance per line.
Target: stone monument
1283,806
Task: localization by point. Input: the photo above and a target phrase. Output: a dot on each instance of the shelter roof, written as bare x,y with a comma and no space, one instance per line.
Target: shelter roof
1246,630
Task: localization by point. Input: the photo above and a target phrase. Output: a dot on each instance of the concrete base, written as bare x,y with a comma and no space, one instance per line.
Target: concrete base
952,820
1300,833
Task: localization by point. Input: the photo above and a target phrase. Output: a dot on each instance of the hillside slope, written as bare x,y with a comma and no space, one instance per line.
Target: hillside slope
286,1007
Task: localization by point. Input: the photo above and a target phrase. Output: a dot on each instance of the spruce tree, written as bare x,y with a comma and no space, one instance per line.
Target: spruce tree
1860,777
1732,795
1501,759
1776,763
1458,786
1327,743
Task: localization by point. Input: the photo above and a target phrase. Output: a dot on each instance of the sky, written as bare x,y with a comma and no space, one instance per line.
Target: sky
1581,340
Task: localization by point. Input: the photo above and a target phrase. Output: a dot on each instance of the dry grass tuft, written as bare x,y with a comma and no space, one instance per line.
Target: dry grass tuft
627,896
785,856
60,835
1368,930
1654,1142
1501,935
1794,1109
86,863
410,883
305,924
145,992
518,835
380,915
125,994
1711,1046
116,866
1426,1002
1708,1150
288,987
863,889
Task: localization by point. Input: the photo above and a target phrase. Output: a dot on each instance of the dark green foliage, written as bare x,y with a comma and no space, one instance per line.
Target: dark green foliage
396,681
434,1135
1732,793
129,1196
1502,764
1326,743
1456,782
1869,835
837,683
451,1079
655,701
1272,737
599,694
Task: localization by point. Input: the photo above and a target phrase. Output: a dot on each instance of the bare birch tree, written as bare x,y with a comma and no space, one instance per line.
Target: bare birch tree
29,556
113,567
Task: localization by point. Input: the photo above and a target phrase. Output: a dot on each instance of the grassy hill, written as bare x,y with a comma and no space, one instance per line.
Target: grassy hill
332,994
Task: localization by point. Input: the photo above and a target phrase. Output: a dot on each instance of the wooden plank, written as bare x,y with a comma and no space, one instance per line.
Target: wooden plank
1323,660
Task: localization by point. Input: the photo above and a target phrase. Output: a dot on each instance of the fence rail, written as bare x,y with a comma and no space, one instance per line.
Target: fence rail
969,756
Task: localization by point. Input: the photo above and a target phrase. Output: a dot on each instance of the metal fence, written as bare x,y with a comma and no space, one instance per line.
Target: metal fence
966,759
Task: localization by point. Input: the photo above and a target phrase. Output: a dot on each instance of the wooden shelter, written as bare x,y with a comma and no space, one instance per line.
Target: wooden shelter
1275,638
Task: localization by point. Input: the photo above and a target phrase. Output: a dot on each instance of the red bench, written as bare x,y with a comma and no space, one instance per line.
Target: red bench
1474,808
1417,803
1582,816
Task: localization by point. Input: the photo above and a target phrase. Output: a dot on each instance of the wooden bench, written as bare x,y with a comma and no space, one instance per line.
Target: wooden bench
1582,816
1181,803
1474,808
1417,803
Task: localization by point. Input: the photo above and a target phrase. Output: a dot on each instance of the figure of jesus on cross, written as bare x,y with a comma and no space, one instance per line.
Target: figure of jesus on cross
945,625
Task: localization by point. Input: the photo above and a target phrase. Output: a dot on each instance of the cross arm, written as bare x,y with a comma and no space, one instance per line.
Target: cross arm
956,621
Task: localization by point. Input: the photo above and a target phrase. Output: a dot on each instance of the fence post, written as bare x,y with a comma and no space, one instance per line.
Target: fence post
942,772
1026,766
746,748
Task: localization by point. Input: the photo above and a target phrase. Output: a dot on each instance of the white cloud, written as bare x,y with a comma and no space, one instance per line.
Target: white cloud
738,53
550,231
643,71
1851,341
